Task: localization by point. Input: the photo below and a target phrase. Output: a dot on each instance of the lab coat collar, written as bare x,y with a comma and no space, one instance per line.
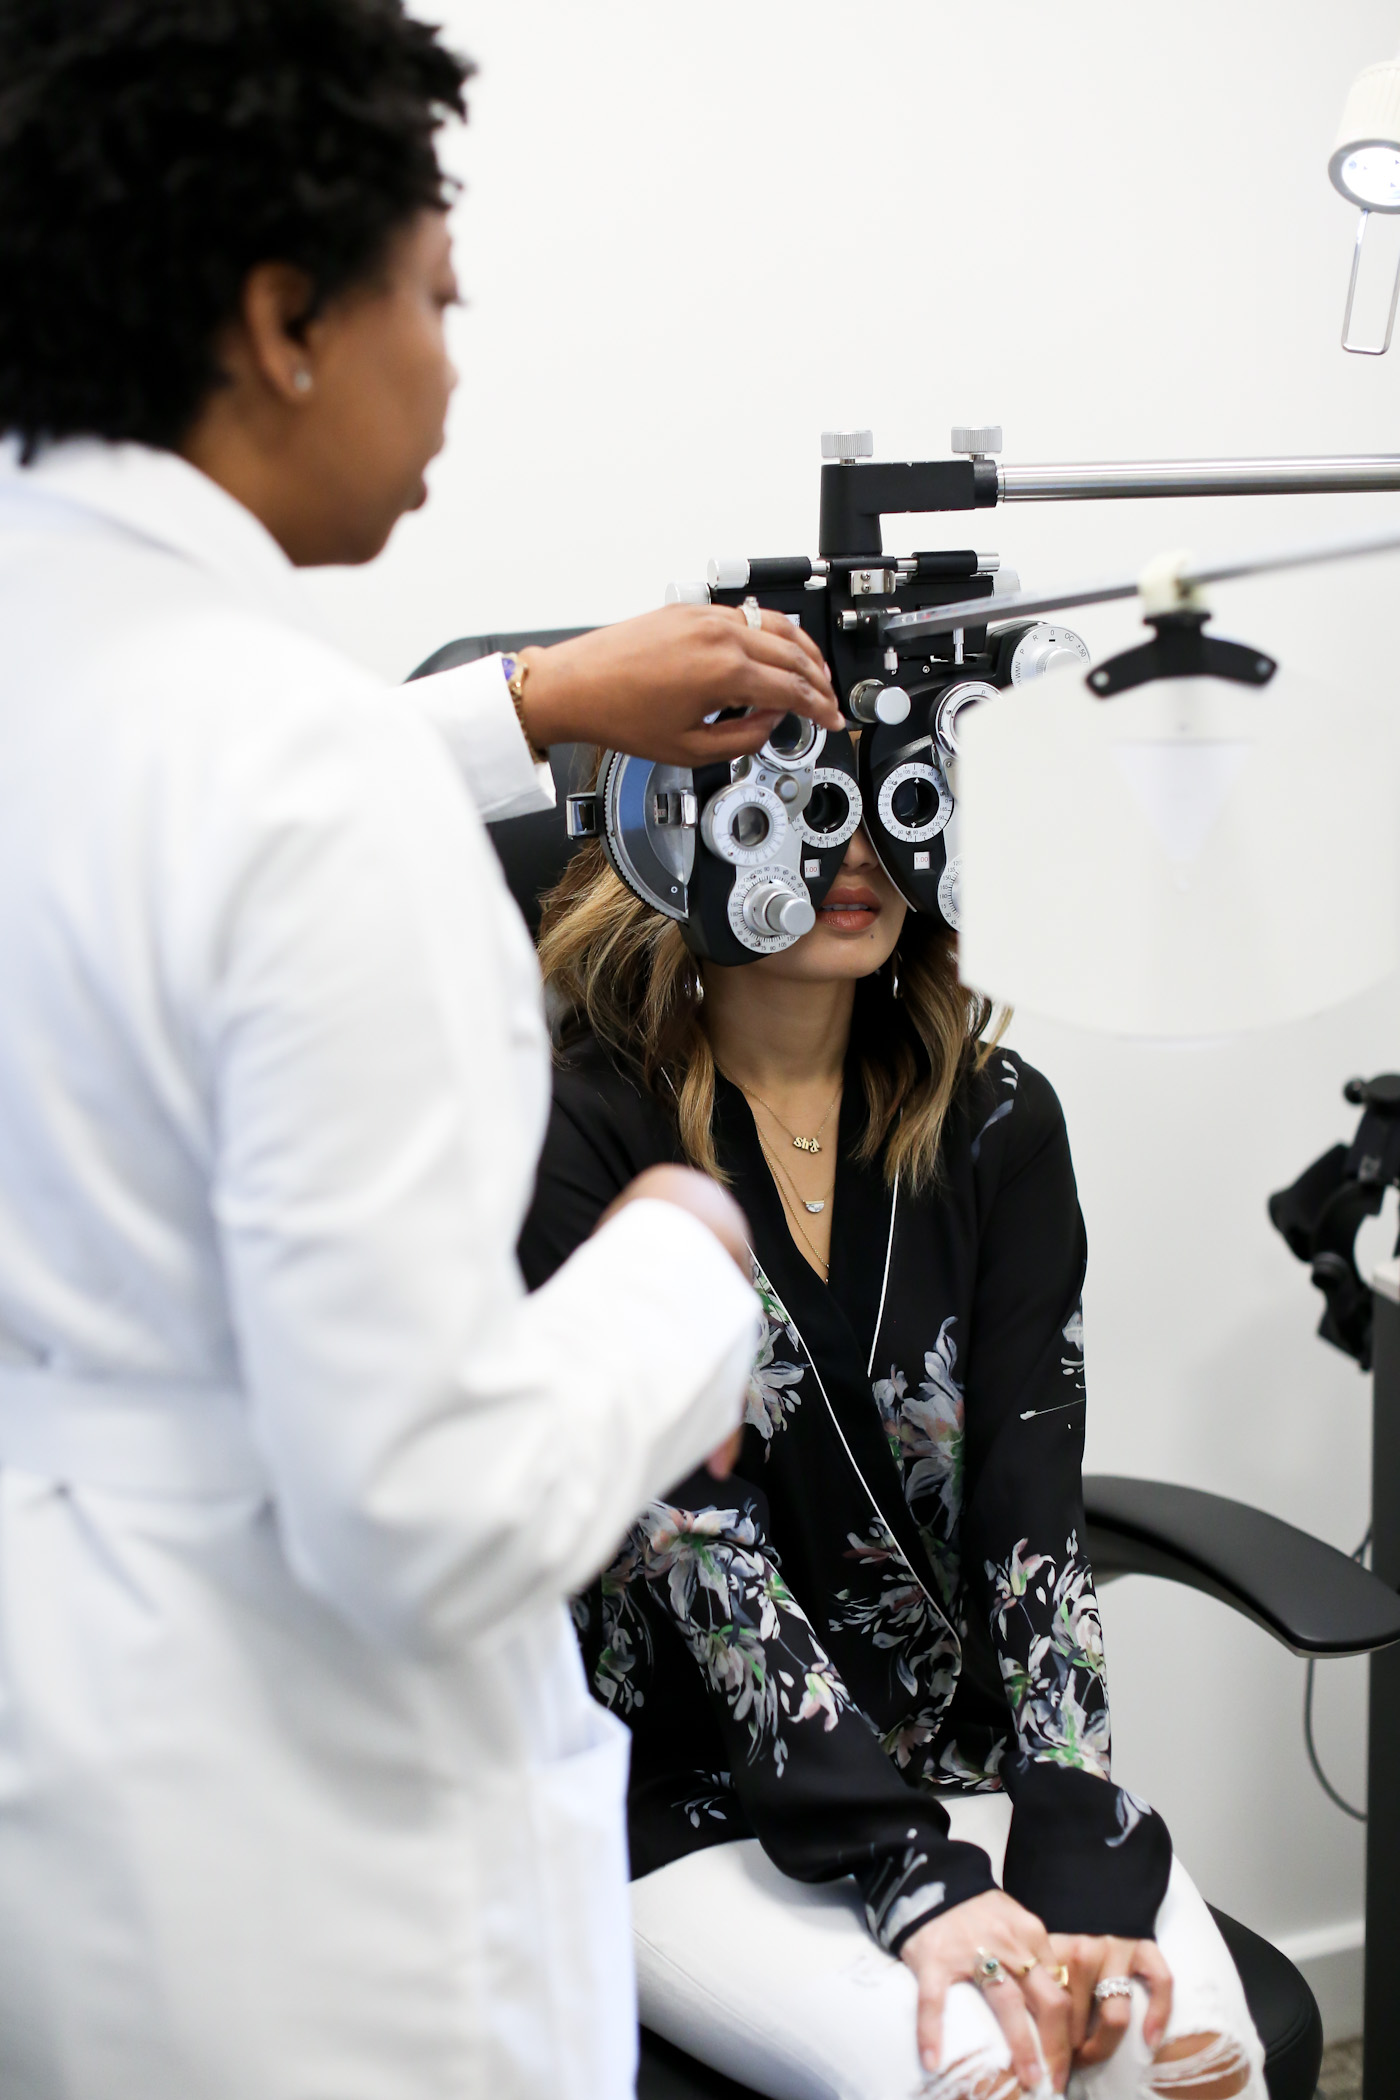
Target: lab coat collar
161,498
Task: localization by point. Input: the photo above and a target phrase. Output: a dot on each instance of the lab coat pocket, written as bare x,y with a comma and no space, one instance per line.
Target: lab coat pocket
575,2033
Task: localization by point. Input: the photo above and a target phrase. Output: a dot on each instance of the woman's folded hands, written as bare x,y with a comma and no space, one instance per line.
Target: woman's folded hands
1041,1986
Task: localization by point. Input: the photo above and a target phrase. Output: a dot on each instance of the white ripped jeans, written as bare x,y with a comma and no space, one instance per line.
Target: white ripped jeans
780,1985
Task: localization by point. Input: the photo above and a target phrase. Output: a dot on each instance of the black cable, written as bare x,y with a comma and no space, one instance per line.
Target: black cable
1358,1815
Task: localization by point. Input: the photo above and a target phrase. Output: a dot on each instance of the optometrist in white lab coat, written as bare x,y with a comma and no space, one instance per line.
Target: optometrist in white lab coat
302,1794
301,1791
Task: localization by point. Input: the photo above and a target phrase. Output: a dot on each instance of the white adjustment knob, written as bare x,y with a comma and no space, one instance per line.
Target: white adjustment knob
769,908
728,572
687,594
874,701
976,438
847,445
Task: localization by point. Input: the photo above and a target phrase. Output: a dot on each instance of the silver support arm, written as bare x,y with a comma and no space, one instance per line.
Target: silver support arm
910,630
1198,477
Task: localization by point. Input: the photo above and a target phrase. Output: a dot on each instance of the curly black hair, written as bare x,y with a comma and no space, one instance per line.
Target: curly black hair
152,152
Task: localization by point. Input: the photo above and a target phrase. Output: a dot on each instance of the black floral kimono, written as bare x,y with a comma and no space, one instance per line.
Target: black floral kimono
888,1600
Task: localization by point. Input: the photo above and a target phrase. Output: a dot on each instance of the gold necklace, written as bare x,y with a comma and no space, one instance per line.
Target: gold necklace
818,1257
815,1204
800,1144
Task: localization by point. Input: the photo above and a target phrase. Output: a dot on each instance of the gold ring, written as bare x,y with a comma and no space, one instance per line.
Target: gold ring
1025,1970
1061,1975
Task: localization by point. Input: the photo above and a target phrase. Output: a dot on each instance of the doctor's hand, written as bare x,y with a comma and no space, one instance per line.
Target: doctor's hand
646,685
1027,2001
716,1209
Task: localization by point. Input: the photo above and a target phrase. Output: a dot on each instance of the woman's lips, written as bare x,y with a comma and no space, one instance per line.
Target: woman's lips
849,910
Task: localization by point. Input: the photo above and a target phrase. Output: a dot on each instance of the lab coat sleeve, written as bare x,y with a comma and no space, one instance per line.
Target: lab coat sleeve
446,1453
472,709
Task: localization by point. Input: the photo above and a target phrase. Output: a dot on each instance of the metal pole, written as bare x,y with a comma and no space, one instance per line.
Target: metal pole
1381,2042
1331,473
913,627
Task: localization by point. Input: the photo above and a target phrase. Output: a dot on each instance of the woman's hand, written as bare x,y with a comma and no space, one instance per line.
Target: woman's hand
715,1208
646,685
1026,2002
1097,2026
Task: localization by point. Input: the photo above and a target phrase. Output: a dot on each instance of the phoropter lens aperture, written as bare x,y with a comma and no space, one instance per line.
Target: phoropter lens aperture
750,826
915,803
827,808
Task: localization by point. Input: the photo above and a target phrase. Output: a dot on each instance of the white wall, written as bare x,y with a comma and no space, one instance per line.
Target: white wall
692,237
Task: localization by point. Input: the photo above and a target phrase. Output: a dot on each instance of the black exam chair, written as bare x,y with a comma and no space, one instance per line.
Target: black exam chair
1307,1595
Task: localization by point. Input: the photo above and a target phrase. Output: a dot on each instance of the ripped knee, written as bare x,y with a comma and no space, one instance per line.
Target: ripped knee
1198,2067
974,2077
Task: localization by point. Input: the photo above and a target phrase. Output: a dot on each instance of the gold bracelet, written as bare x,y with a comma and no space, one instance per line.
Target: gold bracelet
517,671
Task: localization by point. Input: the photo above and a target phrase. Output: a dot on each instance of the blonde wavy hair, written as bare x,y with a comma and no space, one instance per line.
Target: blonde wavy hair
618,969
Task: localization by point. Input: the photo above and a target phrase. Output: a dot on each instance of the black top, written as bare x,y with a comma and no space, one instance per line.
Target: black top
888,1600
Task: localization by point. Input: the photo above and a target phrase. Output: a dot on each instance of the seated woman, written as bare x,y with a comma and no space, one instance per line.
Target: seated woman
865,1674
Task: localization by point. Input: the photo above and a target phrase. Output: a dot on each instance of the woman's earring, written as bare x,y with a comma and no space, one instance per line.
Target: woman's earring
301,380
894,976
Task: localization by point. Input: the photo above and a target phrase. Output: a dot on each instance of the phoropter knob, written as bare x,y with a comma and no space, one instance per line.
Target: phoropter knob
976,438
847,445
769,908
873,701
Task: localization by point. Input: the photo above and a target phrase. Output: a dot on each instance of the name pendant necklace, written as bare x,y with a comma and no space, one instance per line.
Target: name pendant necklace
800,1144
790,1203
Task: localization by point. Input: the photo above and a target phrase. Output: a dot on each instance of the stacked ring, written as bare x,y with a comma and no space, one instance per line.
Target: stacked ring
987,1970
752,611
1113,1987
1060,1973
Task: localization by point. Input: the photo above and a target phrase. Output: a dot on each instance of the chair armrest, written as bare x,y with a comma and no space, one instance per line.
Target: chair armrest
1306,1594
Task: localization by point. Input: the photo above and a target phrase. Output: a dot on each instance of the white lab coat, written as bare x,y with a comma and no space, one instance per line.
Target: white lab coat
302,1796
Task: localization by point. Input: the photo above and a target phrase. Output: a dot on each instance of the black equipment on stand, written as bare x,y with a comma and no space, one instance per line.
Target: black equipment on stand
1319,1217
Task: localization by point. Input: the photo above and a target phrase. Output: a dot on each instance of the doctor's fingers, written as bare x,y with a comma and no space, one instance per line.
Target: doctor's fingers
783,669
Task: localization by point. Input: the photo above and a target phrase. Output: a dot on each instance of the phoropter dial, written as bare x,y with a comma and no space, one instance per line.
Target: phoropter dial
744,824
769,909
833,809
968,692
914,803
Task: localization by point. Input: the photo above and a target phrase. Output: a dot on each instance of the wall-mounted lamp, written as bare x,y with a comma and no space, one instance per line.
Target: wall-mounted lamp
1365,167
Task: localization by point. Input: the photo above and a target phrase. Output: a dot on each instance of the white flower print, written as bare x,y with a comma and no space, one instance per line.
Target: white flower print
740,1622
1054,1671
895,1613
772,1394
925,1436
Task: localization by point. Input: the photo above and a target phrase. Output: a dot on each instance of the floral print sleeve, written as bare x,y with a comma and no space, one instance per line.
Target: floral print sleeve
1085,1854
806,1764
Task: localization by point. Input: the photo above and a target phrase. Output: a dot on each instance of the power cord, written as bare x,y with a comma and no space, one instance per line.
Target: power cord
1358,1815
